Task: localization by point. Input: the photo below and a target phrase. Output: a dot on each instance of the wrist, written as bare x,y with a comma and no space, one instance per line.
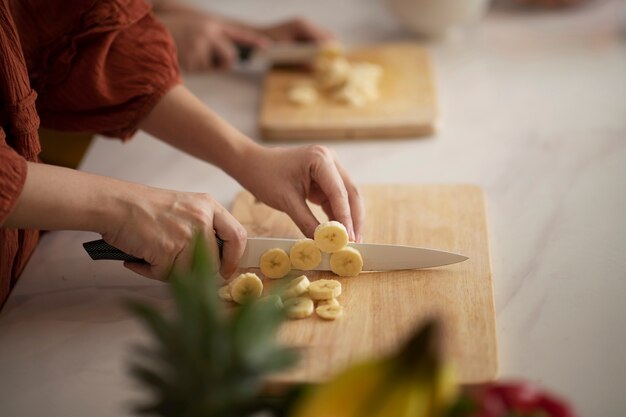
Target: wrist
242,158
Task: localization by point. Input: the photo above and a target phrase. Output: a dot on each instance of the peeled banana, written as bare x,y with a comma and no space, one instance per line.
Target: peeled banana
305,255
329,311
224,293
298,307
275,263
296,287
245,287
346,262
324,289
330,236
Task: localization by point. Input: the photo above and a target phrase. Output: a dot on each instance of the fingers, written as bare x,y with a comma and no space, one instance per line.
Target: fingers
296,207
357,208
325,173
304,30
224,53
234,237
246,37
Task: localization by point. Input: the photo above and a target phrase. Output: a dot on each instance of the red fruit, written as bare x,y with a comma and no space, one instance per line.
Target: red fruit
523,399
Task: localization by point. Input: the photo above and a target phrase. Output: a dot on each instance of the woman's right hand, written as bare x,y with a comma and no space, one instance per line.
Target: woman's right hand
159,226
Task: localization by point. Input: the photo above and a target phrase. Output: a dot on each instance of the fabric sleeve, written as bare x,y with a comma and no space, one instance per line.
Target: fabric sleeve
114,77
13,170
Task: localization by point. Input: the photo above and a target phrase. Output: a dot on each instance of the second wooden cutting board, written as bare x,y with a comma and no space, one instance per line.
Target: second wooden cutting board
383,308
406,107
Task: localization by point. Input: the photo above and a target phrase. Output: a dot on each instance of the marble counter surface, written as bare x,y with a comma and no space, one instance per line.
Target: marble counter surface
533,110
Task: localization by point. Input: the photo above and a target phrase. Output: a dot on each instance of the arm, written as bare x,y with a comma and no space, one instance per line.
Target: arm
149,223
283,178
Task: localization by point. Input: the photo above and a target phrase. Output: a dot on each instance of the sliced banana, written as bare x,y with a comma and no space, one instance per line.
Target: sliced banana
330,236
224,293
296,287
324,289
346,262
305,255
245,287
275,263
274,299
298,307
302,94
330,301
329,311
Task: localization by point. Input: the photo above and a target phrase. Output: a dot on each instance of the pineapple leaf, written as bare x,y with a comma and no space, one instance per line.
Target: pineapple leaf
205,361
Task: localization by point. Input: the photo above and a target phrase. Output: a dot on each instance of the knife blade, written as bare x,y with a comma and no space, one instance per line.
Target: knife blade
376,257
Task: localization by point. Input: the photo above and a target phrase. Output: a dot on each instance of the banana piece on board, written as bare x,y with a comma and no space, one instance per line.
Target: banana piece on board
298,307
296,287
330,301
245,287
330,236
224,293
274,299
275,263
346,262
305,255
329,311
302,94
324,289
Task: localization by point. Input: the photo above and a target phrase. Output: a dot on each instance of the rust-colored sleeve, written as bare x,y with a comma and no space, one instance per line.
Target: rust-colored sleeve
12,176
103,69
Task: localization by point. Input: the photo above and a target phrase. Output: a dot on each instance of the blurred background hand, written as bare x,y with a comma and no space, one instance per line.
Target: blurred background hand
206,41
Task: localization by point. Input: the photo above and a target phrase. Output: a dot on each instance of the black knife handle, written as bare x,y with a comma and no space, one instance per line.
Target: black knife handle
99,249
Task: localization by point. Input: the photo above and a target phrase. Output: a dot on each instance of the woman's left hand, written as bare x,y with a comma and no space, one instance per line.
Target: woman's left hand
285,178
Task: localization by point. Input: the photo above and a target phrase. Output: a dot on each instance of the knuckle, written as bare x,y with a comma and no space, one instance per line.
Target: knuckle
320,152
241,236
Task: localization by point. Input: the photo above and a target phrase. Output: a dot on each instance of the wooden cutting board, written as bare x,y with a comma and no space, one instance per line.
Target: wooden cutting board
382,308
406,107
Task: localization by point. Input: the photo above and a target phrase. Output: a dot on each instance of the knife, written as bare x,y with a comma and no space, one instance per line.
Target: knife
376,257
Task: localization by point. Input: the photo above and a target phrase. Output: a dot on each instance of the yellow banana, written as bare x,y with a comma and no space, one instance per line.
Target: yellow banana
412,383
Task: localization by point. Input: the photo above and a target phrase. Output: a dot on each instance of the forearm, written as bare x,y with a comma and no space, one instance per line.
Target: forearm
184,122
55,198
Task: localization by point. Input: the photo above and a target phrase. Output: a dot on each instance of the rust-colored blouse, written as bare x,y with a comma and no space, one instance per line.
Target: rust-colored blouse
78,65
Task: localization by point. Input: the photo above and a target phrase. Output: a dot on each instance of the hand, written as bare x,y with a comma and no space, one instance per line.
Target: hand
284,178
207,42
297,30
159,226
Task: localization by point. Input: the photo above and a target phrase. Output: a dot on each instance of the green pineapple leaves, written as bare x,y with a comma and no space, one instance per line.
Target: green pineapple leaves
205,361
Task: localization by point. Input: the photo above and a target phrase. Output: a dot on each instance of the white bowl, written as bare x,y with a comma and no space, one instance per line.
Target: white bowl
437,17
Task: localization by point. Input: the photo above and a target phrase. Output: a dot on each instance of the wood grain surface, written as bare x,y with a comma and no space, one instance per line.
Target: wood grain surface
383,308
406,107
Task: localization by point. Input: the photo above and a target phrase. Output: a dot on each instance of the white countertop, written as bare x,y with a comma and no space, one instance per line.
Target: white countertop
533,110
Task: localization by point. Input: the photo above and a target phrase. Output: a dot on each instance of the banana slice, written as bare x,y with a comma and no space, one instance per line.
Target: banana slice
246,286
274,299
324,289
331,236
224,293
302,94
305,255
298,307
296,287
329,311
275,263
330,301
346,262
